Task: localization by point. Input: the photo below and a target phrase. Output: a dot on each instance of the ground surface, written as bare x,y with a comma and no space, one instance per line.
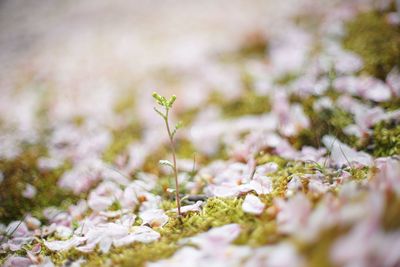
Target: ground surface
288,154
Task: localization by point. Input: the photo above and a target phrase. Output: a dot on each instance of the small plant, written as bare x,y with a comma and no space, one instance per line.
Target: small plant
167,105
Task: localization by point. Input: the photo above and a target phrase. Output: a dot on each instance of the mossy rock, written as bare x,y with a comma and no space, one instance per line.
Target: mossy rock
376,41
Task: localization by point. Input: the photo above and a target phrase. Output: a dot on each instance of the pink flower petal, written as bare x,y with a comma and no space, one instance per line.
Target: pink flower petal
253,205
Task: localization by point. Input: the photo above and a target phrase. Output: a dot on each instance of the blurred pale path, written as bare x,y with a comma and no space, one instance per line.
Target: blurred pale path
120,39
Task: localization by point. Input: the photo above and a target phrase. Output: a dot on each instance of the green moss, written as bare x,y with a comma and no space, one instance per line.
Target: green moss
185,149
327,121
359,174
385,140
283,176
125,104
163,184
130,131
122,138
136,255
248,104
286,78
391,105
151,164
376,41
188,116
318,253
216,212
23,170
116,205
263,158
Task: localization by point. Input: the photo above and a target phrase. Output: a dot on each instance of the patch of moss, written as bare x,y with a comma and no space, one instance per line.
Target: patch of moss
287,78
163,184
130,131
216,212
124,104
318,253
151,164
188,116
185,149
248,104
359,174
122,138
263,158
282,177
324,122
376,41
24,170
391,105
385,140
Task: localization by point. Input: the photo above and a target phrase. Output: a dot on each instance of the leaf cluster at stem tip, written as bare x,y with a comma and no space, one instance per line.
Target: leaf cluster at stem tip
167,104
162,101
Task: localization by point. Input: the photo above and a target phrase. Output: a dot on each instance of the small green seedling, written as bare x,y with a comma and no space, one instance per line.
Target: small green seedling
167,105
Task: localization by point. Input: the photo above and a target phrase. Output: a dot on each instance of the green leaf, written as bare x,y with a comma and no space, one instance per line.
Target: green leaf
177,127
171,101
160,99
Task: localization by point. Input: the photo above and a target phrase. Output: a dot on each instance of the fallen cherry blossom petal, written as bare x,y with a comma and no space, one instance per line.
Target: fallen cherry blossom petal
17,261
218,236
142,234
58,245
342,154
253,205
29,191
155,217
194,207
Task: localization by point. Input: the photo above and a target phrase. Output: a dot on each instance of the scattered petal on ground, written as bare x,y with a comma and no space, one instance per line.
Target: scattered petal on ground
253,204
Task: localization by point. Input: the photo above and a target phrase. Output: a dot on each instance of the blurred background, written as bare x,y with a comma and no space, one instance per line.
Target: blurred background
96,41
80,58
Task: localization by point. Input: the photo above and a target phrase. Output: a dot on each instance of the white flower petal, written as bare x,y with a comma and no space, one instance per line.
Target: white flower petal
154,217
142,234
64,245
187,208
253,205
342,154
